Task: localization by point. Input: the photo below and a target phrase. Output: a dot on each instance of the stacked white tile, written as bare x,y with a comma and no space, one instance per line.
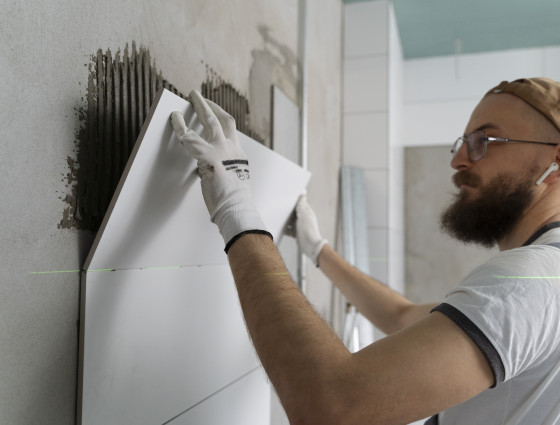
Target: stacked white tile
365,116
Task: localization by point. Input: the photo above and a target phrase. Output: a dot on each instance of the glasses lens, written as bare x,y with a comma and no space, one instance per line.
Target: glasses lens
476,145
457,145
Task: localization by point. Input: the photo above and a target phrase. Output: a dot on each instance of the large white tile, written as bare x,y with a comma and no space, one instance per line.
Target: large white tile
154,342
378,253
365,84
365,28
244,402
365,141
376,197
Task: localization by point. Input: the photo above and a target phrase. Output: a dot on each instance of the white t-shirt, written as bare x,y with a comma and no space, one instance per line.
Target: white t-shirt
510,307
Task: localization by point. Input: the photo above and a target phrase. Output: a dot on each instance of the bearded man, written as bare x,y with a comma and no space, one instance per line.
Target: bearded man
489,353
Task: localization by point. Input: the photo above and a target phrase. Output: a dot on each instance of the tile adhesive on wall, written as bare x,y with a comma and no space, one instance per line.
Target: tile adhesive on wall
119,95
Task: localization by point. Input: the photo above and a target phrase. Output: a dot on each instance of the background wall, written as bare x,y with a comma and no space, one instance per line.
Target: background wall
439,96
400,119
45,52
394,112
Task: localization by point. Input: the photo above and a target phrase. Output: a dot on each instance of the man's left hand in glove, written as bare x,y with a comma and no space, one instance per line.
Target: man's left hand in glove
223,168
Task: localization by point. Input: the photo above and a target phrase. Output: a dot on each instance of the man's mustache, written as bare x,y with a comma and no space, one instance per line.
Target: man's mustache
467,178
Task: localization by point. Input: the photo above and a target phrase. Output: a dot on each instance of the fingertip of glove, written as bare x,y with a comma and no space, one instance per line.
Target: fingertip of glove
178,122
193,95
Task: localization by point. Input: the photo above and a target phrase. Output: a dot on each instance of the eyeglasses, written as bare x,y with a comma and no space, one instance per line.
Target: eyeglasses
478,140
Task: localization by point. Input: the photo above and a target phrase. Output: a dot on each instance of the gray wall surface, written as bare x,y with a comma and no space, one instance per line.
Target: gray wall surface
434,261
46,48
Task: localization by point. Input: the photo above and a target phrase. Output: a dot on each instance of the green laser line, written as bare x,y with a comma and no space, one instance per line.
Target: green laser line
104,270
56,271
160,267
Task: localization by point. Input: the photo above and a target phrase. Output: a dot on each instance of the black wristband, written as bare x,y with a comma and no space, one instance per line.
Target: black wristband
257,232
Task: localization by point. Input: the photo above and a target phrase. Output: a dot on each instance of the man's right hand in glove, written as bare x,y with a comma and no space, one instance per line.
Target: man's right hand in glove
308,237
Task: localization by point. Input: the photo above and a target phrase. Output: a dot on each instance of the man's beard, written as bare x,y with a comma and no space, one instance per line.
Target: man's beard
492,214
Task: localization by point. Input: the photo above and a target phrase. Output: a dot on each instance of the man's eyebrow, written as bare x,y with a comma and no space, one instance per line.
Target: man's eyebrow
488,125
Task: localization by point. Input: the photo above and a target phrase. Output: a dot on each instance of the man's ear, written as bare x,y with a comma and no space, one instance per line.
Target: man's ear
554,173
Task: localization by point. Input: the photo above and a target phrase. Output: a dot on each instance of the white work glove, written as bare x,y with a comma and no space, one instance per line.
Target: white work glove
223,168
308,237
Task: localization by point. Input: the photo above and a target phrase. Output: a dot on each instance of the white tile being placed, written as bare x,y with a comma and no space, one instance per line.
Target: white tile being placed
157,216
377,197
365,140
365,84
365,28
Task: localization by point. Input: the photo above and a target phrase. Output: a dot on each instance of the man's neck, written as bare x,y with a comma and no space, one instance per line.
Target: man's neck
528,225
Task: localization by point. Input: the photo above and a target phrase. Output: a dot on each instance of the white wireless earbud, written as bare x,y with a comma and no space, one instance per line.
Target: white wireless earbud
553,167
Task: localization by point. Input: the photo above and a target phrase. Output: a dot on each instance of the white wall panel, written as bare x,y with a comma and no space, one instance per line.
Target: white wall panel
436,123
365,28
365,84
365,140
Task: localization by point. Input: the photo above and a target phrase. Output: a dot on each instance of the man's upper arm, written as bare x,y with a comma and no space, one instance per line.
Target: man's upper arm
417,372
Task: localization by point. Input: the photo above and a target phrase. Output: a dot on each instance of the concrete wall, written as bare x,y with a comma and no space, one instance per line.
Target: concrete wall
45,49
435,262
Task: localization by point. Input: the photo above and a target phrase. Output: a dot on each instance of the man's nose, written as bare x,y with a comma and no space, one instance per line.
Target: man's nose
460,160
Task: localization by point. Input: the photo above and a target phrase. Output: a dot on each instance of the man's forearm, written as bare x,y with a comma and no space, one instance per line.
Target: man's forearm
294,344
384,307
